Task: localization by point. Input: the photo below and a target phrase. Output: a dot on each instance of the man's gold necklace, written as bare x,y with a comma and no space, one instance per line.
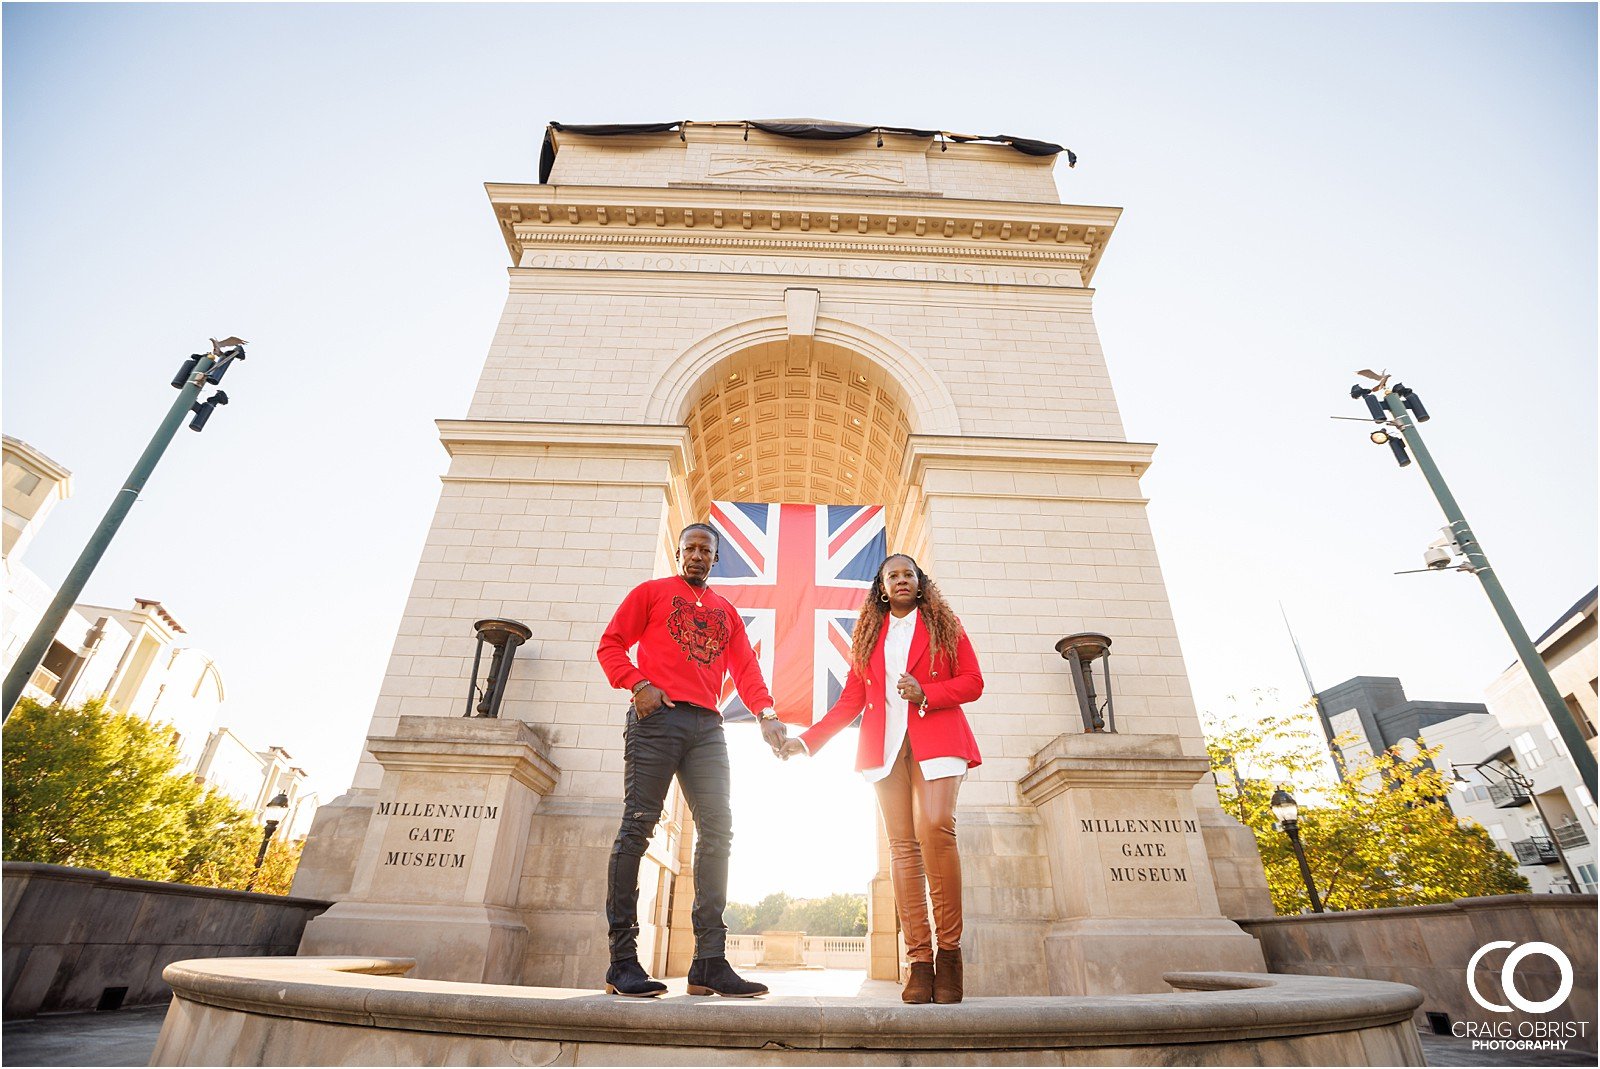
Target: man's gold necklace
697,597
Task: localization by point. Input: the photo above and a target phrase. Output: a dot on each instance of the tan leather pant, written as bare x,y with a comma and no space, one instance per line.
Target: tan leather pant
920,818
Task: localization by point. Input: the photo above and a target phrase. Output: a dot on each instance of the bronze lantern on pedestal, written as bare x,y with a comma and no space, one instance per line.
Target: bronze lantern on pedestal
1081,651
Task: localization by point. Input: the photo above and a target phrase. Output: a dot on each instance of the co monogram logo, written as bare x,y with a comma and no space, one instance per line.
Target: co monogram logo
1508,976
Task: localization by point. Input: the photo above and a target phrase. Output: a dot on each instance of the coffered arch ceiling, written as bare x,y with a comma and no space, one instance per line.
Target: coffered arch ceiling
829,431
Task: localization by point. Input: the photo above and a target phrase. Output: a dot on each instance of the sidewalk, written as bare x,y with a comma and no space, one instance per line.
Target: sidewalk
128,1037
118,1037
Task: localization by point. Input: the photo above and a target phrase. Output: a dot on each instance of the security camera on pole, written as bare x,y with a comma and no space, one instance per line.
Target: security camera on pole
197,372
1393,409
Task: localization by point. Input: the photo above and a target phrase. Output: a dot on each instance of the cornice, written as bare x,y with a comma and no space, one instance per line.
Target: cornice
843,222
1067,455
1057,774
42,464
516,759
534,437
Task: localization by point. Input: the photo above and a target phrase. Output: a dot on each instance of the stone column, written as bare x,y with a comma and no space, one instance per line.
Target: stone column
437,875
1128,863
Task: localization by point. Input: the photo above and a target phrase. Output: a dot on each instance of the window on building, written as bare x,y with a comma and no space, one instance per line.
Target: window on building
1580,716
1497,832
25,483
1554,734
1587,801
1588,878
1528,750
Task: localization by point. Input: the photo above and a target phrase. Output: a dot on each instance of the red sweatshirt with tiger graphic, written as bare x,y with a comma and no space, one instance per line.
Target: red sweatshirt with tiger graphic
684,648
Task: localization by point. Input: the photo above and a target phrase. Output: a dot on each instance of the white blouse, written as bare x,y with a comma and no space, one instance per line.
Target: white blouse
896,652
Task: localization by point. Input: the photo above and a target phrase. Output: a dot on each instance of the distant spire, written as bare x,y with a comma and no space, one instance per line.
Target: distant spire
1304,671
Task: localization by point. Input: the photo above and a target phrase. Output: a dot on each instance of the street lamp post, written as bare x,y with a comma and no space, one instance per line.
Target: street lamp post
1394,406
1288,814
277,809
196,373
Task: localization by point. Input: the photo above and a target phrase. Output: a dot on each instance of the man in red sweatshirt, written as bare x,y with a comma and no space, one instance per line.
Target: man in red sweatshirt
688,637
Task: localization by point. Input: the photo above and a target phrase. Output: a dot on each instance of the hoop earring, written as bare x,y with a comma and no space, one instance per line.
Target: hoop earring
884,598
919,595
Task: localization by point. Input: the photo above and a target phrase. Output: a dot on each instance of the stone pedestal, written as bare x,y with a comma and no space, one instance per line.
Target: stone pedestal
783,950
1132,883
437,876
328,862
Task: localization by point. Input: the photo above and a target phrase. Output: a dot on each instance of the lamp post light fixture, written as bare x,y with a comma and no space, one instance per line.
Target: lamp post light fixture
1081,651
276,810
505,636
1287,811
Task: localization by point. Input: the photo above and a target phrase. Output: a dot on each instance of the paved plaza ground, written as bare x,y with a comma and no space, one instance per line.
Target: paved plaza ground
127,1037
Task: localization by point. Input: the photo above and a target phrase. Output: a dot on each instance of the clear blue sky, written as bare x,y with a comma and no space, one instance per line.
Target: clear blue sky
1307,190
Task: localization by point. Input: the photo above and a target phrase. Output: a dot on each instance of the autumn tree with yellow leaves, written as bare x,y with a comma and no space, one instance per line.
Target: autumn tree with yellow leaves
1382,835
93,788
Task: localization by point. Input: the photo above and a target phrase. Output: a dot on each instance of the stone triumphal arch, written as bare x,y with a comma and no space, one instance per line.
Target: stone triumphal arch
731,311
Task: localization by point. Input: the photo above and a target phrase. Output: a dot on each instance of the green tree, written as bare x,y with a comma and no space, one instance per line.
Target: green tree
234,866
768,912
739,918
93,788
222,844
1381,836
837,914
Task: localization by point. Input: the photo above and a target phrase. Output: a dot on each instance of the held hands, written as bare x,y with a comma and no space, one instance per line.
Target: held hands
911,690
792,748
775,734
649,699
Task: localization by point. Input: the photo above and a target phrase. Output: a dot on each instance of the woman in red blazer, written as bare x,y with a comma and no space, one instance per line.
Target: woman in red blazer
912,668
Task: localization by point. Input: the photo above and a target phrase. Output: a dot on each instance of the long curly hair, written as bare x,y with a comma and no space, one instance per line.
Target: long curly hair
944,630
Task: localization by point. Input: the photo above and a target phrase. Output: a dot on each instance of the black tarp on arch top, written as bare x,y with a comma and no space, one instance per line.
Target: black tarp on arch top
805,129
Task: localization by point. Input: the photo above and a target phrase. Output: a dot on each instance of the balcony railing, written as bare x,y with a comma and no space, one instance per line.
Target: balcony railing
1507,795
828,952
1571,836
1536,851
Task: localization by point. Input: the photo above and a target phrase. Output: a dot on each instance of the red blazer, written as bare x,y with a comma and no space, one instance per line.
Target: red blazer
937,729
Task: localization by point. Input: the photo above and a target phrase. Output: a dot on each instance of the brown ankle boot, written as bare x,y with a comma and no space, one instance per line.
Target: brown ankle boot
947,976
919,985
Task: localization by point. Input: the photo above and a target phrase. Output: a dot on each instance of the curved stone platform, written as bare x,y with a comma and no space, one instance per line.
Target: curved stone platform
364,1011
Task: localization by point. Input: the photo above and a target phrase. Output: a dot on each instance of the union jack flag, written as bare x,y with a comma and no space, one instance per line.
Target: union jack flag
797,574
